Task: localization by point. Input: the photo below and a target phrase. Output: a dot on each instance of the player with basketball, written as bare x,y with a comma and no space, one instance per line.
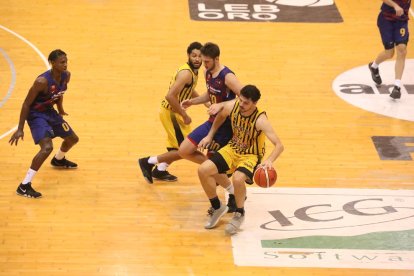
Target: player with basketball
242,154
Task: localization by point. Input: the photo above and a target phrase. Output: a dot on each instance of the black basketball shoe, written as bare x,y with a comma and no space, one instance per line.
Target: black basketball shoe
375,74
163,175
27,191
396,92
64,163
146,169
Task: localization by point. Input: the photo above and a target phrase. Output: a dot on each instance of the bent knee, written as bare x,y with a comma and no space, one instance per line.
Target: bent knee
207,168
401,50
186,149
203,169
73,139
47,149
390,53
238,181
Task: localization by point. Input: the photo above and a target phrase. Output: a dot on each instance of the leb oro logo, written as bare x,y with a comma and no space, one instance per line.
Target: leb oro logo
356,87
322,11
303,3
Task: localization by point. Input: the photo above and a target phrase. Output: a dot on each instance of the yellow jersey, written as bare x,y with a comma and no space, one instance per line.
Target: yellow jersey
246,138
187,91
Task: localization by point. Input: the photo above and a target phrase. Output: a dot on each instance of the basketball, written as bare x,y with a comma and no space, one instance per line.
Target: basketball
265,178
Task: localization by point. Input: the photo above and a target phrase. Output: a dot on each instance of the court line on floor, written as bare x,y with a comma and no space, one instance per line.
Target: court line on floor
13,77
37,51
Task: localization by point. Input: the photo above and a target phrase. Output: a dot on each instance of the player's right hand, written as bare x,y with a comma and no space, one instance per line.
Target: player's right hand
16,136
399,11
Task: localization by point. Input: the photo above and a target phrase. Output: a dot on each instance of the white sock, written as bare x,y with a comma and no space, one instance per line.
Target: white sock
230,189
29,176
153,160
397,83
374,65
162,166
60,154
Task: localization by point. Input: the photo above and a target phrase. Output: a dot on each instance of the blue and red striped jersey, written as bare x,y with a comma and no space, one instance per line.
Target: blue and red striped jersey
389,12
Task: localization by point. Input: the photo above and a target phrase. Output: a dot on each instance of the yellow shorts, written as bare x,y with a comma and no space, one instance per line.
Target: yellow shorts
227,160
174,126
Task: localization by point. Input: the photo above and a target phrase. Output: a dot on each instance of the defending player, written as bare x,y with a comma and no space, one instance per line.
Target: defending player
222,85
45,122
174,118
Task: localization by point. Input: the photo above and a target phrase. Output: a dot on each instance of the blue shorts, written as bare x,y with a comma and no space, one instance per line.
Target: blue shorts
47,124
222,137
392,32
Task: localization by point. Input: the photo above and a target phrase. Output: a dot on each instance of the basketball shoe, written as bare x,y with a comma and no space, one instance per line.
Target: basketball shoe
396,92
234,225
375,74
215,215
64,163
146,169
163,175
27,191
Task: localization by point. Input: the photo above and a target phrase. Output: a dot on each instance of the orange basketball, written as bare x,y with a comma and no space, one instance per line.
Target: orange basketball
265,178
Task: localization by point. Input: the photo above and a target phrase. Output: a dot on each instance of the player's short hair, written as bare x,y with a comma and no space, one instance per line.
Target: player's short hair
210,50
250,92
55,54
195,45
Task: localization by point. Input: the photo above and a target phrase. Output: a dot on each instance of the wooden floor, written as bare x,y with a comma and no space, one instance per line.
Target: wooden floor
103,219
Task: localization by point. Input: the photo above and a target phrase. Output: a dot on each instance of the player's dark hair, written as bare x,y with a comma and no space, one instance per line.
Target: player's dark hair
210,50
250,92
55,54
195,45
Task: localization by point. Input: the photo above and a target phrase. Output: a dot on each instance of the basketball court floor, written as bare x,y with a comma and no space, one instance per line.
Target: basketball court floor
343,203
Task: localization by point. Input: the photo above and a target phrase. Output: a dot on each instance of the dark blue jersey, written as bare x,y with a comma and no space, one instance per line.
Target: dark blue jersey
217,89
389,12
45,101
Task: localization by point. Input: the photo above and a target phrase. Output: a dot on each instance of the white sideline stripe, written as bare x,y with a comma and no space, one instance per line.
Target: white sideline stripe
13,77
8,132
36,50
28,43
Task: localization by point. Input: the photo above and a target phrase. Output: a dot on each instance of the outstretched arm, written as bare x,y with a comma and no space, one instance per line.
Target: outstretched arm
197,100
